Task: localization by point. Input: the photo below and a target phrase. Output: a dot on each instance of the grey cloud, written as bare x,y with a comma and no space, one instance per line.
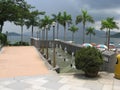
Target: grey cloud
100,4
97,8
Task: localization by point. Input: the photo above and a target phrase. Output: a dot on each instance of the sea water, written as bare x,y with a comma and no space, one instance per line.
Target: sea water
78,40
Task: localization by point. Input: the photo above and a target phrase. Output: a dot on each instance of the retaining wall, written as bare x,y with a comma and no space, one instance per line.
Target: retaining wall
109,56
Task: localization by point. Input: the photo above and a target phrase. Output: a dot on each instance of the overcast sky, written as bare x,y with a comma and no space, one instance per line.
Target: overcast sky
98,9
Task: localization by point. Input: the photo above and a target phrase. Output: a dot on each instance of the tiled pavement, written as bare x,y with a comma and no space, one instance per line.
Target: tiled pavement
105,81
51,80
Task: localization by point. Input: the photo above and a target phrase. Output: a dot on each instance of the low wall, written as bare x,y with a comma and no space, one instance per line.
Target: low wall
109,56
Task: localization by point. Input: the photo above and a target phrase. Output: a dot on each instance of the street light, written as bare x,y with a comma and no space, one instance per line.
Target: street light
54,58
47,41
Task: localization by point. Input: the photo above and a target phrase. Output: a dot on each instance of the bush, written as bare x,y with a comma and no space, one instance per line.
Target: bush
20,44
89,60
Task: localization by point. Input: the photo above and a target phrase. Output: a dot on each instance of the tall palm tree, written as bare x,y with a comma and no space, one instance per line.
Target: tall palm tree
64,20
21,22
73,29
57,19
33,20
108,24
46,22
22,17
90,31
85,17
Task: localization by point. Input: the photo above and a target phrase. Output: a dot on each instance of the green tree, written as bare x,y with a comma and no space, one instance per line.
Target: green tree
85,17
23,13
46,22
64,20
90,31
57,18
33,20
73,29
9,10
108,24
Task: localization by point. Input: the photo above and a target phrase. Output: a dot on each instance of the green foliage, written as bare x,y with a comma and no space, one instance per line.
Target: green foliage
20,44
73,28
108,24
3,39
83,18
57,19
12,10
88,59
90,31
64,20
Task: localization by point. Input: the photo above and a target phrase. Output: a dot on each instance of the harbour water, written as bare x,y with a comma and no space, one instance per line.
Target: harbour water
78,40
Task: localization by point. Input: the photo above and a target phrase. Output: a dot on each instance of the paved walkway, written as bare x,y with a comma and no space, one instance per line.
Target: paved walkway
32,74
21,61
61,82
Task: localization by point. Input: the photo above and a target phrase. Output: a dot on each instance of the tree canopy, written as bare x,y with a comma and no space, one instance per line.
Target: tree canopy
12,10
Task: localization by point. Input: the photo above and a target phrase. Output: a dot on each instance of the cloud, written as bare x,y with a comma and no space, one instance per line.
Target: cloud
98,9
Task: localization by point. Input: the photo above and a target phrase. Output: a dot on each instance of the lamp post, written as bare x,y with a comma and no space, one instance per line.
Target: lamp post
54,58
47,41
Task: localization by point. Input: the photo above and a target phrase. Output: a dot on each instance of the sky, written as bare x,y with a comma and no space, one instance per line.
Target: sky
98,9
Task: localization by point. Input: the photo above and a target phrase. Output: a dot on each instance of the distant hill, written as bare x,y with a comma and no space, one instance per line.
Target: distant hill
116,35
13,34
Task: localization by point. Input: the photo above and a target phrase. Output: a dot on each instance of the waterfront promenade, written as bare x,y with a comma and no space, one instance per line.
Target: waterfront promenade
21,61
23,68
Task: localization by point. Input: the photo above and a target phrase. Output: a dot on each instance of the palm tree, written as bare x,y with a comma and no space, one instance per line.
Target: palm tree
73,29
64,20
57,19
85,17
46,22
90,31
21,22
22,17
33,20
108,24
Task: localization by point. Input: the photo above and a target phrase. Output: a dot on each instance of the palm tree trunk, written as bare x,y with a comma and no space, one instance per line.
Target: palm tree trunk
42,41
83,33
32,31
90,39
64,33
21,34
47,44
108,38
72,36
57,29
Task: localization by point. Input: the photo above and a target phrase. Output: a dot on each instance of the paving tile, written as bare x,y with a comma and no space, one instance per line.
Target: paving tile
7,82
34,87
53,85
107,87
116,88
5,88
18,85
35,81
93,85
79,88
63,80
65,87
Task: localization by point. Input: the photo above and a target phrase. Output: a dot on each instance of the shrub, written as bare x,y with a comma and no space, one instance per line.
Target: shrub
20,44
89,60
